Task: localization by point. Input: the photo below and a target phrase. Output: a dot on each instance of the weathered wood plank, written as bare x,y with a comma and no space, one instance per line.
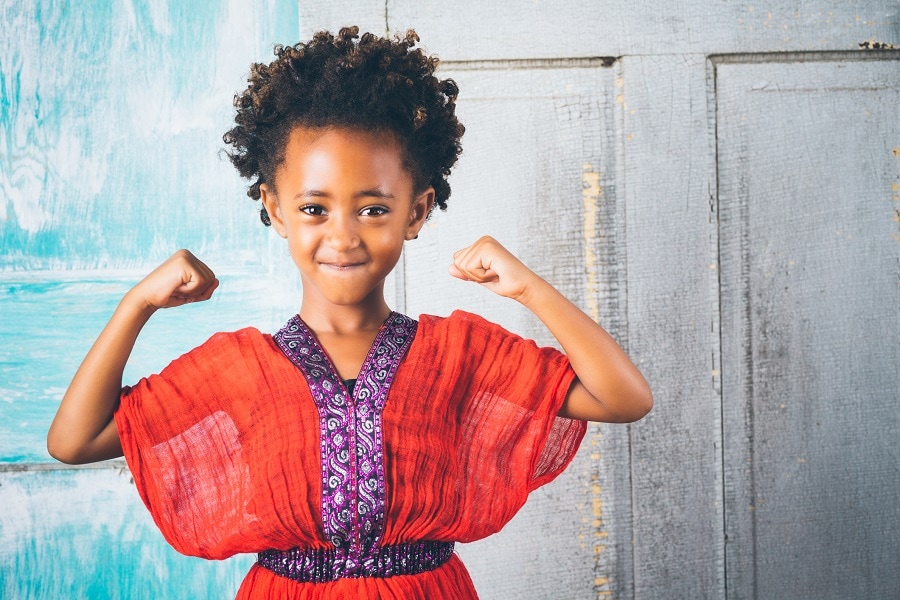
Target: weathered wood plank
85,534
678,548
49,322
537,173
808,170
111,128
316,15
473,29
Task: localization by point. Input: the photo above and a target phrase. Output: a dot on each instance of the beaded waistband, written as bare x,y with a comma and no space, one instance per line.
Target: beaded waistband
321,565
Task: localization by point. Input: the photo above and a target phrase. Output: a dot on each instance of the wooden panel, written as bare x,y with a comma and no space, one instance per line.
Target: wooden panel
76,212
85,534
316,15
81,189
534,140
808,169
538,173
678,548
111,129
473,29
49,322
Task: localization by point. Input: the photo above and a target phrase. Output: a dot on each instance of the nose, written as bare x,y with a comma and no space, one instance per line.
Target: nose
342,233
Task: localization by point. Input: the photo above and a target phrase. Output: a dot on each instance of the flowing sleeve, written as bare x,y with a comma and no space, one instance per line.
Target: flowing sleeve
516,391
192,437
482,406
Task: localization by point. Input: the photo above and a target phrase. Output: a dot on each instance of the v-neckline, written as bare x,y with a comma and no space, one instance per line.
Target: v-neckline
351,443
373,347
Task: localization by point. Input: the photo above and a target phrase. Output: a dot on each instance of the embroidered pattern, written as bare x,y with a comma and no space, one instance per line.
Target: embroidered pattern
351,442
318,566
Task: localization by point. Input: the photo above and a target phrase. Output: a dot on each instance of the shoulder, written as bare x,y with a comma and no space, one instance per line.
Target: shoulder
224,349
473,331
459,324
247,335
461,320
223,340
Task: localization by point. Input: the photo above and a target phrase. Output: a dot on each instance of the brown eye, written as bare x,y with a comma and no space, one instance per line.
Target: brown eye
374,211
313,210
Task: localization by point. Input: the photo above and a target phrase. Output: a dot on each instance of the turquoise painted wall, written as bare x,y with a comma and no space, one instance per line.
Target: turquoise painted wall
111,117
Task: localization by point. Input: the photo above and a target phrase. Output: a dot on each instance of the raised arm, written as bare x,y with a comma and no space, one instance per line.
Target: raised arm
609,387
83,430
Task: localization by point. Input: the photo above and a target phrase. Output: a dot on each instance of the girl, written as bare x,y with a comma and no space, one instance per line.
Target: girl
352,448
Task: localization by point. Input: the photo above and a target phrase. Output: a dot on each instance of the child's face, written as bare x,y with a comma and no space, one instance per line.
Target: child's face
345,205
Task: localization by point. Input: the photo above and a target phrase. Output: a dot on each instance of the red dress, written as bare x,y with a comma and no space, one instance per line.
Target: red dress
235,448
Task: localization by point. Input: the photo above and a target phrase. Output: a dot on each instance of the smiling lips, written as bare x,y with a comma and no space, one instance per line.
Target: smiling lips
341,266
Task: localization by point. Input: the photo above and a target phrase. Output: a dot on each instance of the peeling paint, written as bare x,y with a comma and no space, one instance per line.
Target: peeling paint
598,545
74,149
871,44
591,193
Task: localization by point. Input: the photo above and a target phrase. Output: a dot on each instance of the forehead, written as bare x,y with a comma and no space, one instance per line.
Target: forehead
339,161
332,159
337,144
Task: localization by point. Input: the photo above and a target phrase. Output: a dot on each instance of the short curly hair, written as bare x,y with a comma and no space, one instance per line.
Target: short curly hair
369,83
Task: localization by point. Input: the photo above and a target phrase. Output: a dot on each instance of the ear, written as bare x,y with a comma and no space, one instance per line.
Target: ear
419,211
270,202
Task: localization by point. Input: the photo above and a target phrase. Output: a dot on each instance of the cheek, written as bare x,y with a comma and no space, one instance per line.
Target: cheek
384,248
298,245
392,240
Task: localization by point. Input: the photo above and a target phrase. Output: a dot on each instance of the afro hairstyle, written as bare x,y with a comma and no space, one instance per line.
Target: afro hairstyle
368,83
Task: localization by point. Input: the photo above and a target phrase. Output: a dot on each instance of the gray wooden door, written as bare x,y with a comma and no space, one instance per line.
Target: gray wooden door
808,171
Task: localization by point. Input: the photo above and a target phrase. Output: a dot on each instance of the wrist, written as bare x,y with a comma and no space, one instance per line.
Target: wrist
535,294
134,306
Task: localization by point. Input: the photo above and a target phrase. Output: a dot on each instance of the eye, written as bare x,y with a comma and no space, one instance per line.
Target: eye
374,211
313,210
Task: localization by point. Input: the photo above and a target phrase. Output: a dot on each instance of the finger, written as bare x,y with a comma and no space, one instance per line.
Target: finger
484,276
459,255
195,290
476,265
477,273
189,287
454,271
208,292
208,273
468,249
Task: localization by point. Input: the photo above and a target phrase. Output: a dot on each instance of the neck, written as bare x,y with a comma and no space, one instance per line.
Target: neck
325,317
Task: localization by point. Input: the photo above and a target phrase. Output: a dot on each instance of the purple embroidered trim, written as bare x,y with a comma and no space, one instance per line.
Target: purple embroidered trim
318,566
351,443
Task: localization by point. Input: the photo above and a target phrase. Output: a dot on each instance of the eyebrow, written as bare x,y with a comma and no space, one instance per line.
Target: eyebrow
369,193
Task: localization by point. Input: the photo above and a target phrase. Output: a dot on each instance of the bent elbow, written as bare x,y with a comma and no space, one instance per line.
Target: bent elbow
60,452
646,405
63,450
641,406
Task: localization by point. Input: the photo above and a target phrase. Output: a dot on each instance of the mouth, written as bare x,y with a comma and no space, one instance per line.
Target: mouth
341,266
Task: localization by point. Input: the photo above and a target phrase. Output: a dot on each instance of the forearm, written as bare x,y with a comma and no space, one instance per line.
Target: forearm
609,387
617,389
83,430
